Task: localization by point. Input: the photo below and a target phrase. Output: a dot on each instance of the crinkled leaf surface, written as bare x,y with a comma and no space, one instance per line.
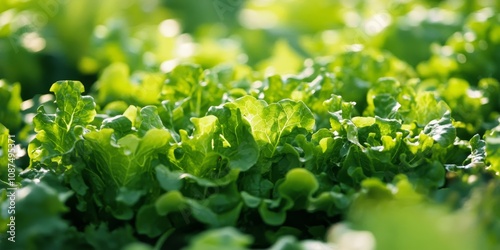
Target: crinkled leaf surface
272,123
121,169
221,142
57,133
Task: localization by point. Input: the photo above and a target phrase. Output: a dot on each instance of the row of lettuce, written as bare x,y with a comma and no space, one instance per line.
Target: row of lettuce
238,160
226,148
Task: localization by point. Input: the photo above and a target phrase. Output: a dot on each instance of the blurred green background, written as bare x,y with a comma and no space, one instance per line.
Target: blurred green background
42,41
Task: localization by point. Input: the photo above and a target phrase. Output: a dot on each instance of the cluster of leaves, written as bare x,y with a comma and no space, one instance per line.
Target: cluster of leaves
395,152
277,166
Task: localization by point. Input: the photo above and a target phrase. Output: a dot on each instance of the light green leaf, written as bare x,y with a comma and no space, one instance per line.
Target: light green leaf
123,161
272,123
221,143
425,108
172,201
121,171
57,134
339,108
235,140
298,187
442,130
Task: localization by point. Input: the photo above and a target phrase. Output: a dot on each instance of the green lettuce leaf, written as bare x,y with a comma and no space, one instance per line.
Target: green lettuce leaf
57,133
221,143
272,123
119,168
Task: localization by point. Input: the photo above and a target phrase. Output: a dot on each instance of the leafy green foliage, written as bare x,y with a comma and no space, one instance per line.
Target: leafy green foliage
245,161
272,124
56,134
255,135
